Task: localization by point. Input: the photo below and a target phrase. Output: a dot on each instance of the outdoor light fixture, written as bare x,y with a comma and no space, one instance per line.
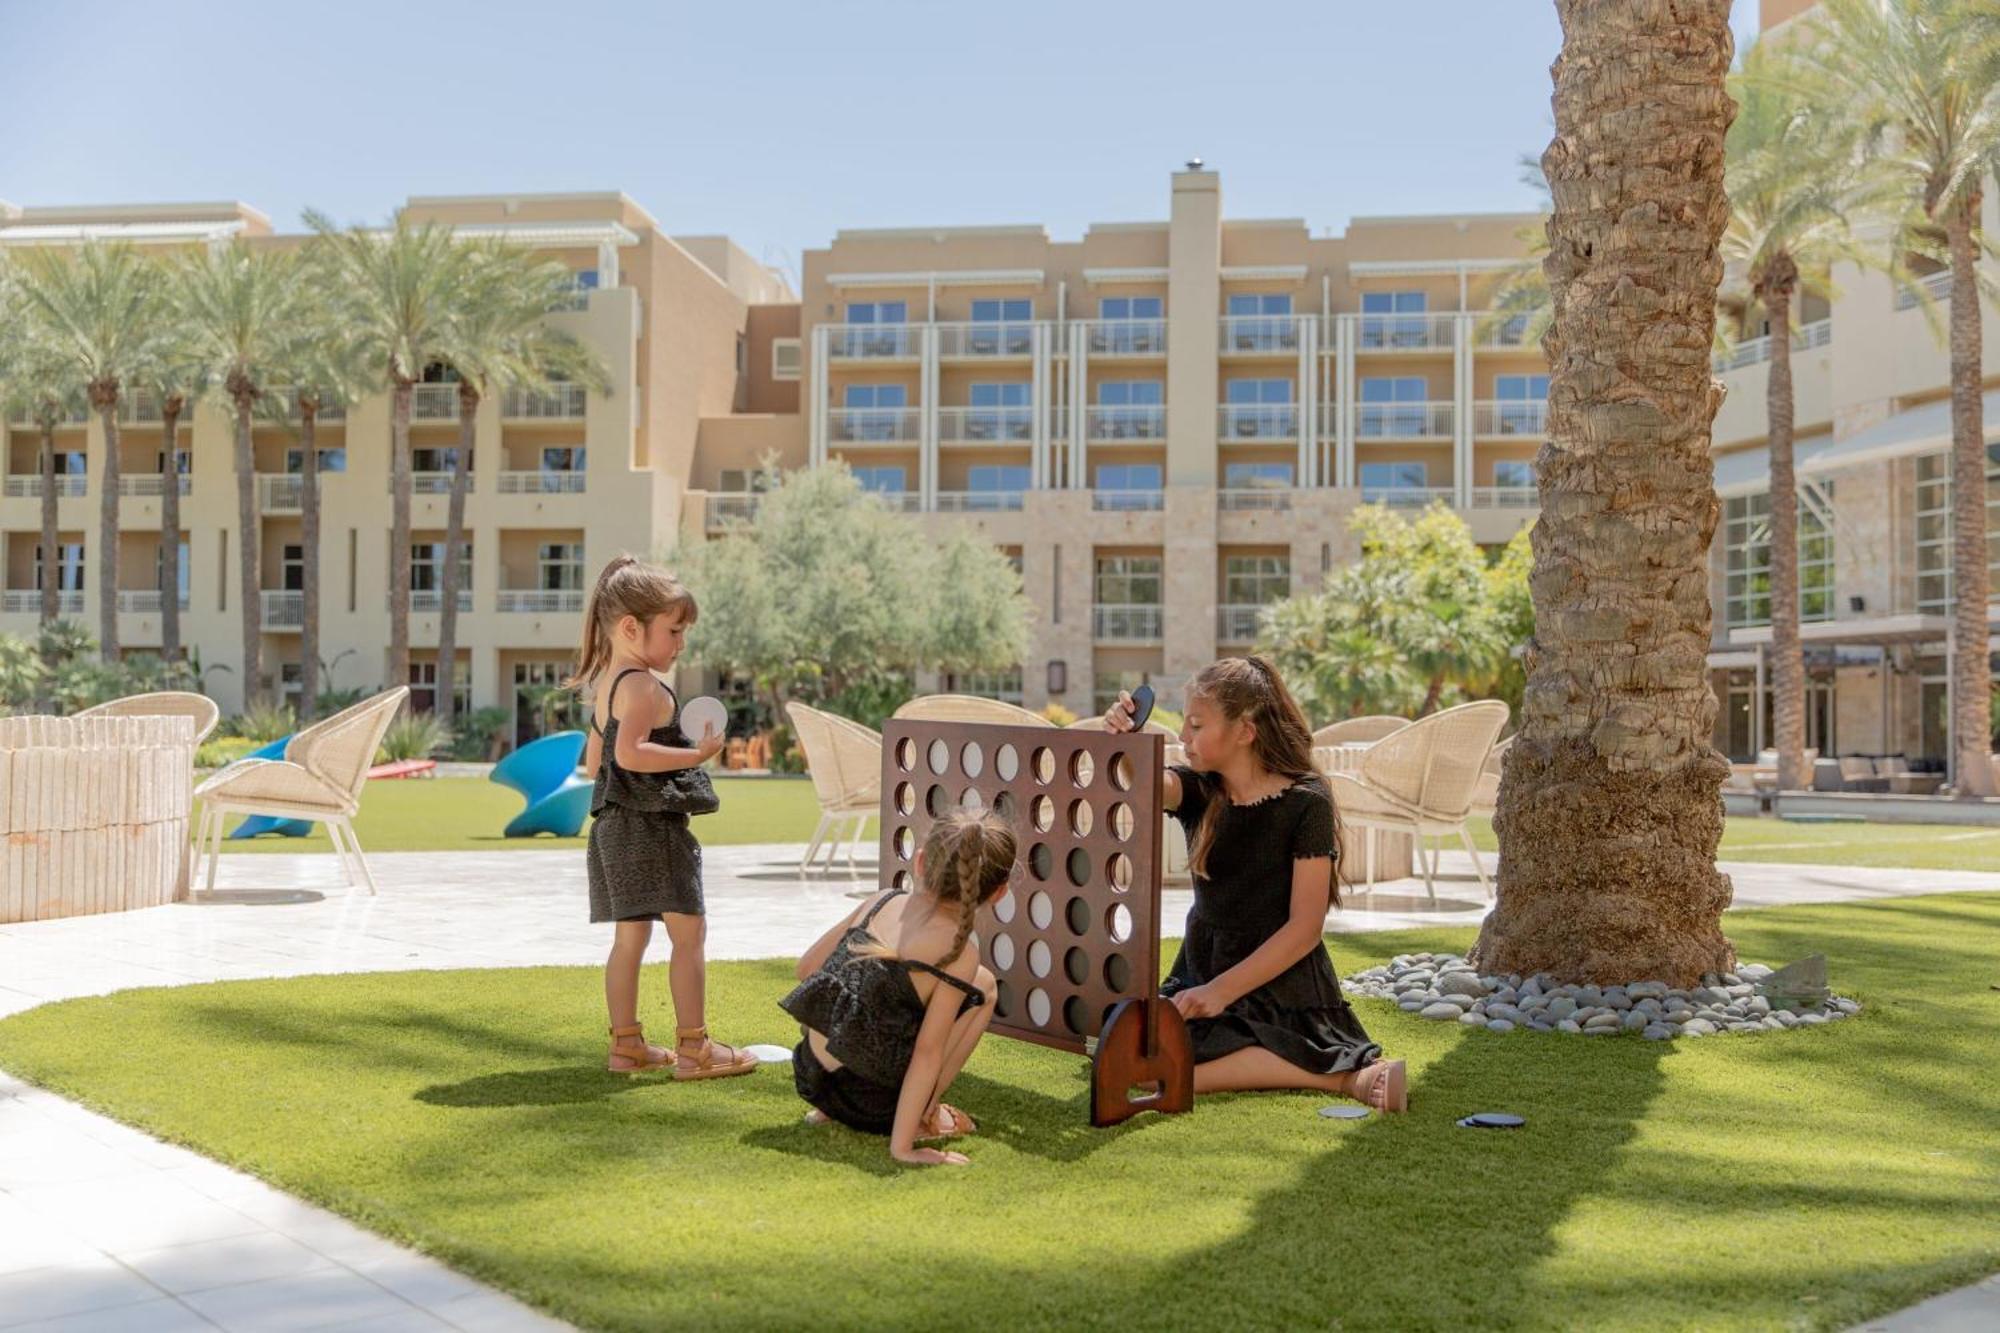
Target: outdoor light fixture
1857,604
1058,678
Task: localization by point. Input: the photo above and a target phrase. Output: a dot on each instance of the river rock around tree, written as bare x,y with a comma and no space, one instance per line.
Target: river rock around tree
1444,988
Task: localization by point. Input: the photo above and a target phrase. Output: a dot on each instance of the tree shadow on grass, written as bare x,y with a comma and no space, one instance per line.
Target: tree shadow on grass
563,1085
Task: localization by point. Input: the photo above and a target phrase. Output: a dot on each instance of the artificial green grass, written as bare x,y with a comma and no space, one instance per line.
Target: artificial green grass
1804,1180
1912,846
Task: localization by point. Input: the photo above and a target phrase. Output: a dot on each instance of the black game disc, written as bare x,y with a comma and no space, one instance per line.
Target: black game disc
1491,1120
1142,706
1344,1112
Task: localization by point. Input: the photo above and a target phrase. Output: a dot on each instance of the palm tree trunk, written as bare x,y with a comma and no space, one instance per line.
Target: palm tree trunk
249,544
104,397
454,527
1972,707
170,530
399,534
1611,805
51,530
308,404
1788,666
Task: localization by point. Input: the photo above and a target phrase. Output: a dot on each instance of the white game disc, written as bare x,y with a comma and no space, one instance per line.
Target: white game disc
698,715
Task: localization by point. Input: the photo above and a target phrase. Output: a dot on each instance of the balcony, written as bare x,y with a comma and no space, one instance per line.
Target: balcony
1128,623
980,502
279,492
428,483
1258,335
282,400
1128,501
29,600
900,502
874,425
430,601
148,484
1938,285
1405,497
68,486
561,402
539,601
1403,421
434,402
282,609
541,482
1126,337
1237,623
986,340
986,425
872,342
1506,497
726,507
147,600
24,417
1258,421
1496,331
1528,417
1405,333
1255,499
1112,425
1752,351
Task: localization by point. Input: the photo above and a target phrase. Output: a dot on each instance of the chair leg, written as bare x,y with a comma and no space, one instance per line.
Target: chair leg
198,850
1465,836
367,875
1372,845
812,847
1430,885
854,840
346,855
216,817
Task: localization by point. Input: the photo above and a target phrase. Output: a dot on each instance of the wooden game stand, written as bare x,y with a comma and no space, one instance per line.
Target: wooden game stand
1144,1043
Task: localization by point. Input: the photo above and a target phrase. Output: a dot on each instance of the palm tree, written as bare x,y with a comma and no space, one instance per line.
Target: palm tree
1916,81
242,307
1793,182
397,291
1610,808
178,379
498,338
99,312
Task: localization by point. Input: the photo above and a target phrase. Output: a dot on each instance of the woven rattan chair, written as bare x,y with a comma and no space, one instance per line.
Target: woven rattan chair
164,703
845,761
1359,730
970,708
320,779
1486,796
1422,780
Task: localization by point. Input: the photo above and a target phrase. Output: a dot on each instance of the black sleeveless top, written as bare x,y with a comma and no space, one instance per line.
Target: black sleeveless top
866,1006
655,793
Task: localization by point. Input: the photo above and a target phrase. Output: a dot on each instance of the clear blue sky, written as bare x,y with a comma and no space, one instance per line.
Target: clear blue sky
780,123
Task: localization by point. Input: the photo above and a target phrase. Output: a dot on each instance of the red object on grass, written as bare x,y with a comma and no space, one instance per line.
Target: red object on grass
405,768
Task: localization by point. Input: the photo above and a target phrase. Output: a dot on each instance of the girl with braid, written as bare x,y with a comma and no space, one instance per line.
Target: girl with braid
892,1000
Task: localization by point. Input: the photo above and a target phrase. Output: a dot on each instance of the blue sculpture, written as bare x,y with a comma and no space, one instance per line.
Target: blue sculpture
257,825
544,772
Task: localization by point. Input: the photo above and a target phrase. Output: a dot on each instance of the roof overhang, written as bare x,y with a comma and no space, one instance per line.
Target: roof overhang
965,277
1428,268
1263,272
1911,628
190,232
1924,429
549,235
1097,276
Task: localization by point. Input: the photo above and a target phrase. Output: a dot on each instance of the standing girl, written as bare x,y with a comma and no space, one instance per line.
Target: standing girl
644,860
1253,978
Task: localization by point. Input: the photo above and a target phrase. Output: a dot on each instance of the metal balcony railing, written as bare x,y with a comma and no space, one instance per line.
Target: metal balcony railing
1266,498
1510,416
1109,424
431,600
1413,421
1258,421
1123,500
68,486
29,600
1937,284
540,601
146,600
1505,497
1404,333
986,339
726,506
872,342
434,402
560,402
282,609
874,425
279,492
1126,337
1237,623
980,502
144,484
986,425
1128,623
541,482
1258,334
1405,497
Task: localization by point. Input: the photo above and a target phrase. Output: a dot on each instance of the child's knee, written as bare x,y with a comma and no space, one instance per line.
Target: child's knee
988,986
686,930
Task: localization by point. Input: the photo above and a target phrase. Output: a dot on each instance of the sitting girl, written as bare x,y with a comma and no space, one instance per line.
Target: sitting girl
1253,979
887,1027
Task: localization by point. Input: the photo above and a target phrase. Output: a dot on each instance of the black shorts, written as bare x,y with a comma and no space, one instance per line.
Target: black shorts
843,1094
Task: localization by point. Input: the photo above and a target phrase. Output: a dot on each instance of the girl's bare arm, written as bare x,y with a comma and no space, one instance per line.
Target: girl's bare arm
921,1079
644,710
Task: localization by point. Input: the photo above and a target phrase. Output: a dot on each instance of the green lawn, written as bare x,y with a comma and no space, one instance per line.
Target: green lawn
1798,1181
467,814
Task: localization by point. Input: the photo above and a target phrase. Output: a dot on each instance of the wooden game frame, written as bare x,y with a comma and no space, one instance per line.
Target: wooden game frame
1075,944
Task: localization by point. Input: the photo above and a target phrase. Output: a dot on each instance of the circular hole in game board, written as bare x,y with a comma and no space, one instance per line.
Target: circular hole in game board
1044,761
1003,907
1003,806
938,801
1121,822
906,798
1043,811
1118,972
901,880
970,799
1041,861
1082,768
906,754
1118,921
1041,958
1079,866
1077,913
906,843
1075,1015
1120,870
972,759
1121,772
1076,966
1003,951
1039,1007
1081,818
1003,999
1006,763
1041,910
940,756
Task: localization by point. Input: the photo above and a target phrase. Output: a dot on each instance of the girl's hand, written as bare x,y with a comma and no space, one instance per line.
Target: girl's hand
711,744
1118,717
1199,1002
930,1157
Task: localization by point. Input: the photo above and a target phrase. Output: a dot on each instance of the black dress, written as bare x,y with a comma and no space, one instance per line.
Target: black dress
643,859
1245,897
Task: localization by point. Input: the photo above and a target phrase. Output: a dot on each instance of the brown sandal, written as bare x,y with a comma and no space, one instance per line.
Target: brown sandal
1389,1090
961,1124
709,1059
639,1055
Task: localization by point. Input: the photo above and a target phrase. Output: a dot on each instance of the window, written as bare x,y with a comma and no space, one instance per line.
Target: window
330,460
541,704
1131,307
786,358
1255,476
874,411
1514,473
1260,322
1012,331
893,340
884,479
1106,686
1523,403
1260,303
183,461
878,312
437,372
440,458
1128,485
69,567
1002,685
995,312
1130,410
1379,477
1131,393
1000,412
1256,580
423,688
562,457
559,566
993,481
1379,330
1394,405
1934,526
1129,325
1128,580
1747,562
1259,409
427,566
292,567
744,481
160,571
71,463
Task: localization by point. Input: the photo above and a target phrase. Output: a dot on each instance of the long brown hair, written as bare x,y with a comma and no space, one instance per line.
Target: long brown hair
968,860
627,587
1249,689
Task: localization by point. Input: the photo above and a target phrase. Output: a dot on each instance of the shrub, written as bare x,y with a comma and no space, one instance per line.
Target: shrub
221,751
480,734
1057,714
264,723
415,736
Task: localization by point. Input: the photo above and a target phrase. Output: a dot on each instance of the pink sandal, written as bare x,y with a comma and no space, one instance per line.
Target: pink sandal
1389,1090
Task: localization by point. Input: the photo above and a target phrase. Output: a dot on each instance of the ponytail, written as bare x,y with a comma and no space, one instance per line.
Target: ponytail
625,587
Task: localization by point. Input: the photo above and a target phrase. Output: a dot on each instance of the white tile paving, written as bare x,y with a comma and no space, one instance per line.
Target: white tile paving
104,1228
